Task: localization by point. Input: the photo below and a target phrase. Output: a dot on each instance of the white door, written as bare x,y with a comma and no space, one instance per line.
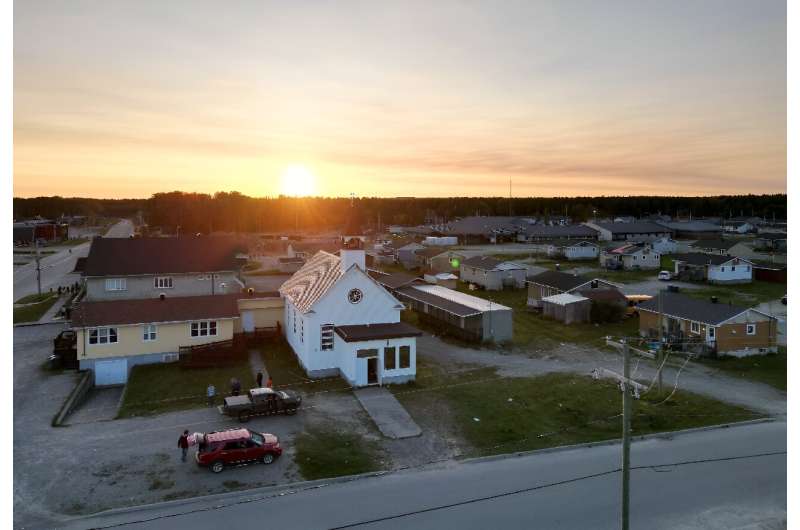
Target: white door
248,322
111,372
361,372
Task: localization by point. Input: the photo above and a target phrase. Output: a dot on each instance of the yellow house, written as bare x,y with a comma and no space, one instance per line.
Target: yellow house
114,335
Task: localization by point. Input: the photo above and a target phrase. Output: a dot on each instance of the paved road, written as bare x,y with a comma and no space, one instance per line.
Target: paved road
707,479
56,268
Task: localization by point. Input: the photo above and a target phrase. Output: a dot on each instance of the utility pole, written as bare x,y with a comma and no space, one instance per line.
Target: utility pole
660,336
38,267
626,435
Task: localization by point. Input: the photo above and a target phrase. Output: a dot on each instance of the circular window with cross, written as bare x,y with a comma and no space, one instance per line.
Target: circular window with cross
355,296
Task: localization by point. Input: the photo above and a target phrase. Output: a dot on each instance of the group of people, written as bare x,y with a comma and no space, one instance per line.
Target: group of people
236,387
184,441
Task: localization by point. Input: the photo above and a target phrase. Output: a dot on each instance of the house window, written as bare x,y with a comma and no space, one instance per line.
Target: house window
162,282
116,284
405,356
748,268
326,337
389,360
722,269
695,327
712,332
733,268
149,332
751,329
103,336
294,321
204,328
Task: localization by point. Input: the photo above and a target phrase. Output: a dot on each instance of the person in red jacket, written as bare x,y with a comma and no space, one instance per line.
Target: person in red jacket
183,443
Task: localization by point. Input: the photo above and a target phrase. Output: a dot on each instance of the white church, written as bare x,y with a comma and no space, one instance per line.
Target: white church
339,321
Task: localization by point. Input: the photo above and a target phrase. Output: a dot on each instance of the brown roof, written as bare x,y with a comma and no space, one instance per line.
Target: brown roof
395,280
161,255
604,295
364,332
153,310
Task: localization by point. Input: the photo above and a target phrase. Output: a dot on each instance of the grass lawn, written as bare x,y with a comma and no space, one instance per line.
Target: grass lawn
744,294
286,372
532,329
158,388
31,298
519,414
326,453
622,276
769,369
33,312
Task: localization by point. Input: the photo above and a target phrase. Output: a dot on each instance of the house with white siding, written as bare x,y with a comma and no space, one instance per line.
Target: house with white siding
713,268
340,321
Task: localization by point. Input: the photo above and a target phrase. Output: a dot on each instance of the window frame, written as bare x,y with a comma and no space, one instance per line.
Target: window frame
404,350
160,282
99,336
748,327
204,328
326,339
392,356
116,284
149,333
694,327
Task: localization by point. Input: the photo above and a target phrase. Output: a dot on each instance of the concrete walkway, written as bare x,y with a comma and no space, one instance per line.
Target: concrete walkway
257,364
388,414
50,314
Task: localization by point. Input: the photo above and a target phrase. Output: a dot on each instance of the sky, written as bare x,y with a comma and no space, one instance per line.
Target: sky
128,98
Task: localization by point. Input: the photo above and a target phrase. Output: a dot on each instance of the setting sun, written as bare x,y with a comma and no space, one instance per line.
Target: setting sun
297,181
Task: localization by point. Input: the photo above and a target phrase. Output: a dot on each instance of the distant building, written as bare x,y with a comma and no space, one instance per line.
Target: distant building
534,233
624,231
492,274
713,268
694,229
549,283
630,256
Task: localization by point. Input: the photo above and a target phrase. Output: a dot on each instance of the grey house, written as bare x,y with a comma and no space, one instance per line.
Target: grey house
492,274
135,268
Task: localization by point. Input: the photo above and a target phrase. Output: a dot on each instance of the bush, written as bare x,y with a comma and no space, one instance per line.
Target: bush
603,312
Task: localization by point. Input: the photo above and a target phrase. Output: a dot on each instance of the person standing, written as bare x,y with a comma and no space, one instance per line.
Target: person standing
269,382
236,386
259,379
211,391
183,443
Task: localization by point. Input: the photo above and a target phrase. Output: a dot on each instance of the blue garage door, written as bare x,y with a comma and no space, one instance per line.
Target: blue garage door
111,372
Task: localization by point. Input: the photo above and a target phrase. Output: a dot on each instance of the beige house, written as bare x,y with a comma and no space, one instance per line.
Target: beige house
115,335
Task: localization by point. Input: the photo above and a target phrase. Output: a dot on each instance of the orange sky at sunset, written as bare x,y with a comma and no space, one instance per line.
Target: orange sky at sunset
130,99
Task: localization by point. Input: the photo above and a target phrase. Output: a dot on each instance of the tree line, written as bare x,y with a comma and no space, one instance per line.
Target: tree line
183,212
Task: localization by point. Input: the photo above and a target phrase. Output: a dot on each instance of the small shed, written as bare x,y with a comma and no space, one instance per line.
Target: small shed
567,308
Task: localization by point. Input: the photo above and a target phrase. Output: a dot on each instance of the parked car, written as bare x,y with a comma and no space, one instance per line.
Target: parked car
665,276
260,402
233,447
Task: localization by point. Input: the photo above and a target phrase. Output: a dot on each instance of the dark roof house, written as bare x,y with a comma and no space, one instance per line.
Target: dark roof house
168,255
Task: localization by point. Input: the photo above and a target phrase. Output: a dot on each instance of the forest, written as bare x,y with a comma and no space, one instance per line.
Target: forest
235,212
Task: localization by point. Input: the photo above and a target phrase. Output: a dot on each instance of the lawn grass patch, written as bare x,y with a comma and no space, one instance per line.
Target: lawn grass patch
164,387
286,372
769,369
520,414
34,298
625,276
743,294
533,329
322,453
33,312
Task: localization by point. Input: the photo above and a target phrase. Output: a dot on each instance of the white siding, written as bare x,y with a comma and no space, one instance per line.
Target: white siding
727,272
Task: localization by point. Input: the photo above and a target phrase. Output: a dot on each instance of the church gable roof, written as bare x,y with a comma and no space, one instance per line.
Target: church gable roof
312,281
